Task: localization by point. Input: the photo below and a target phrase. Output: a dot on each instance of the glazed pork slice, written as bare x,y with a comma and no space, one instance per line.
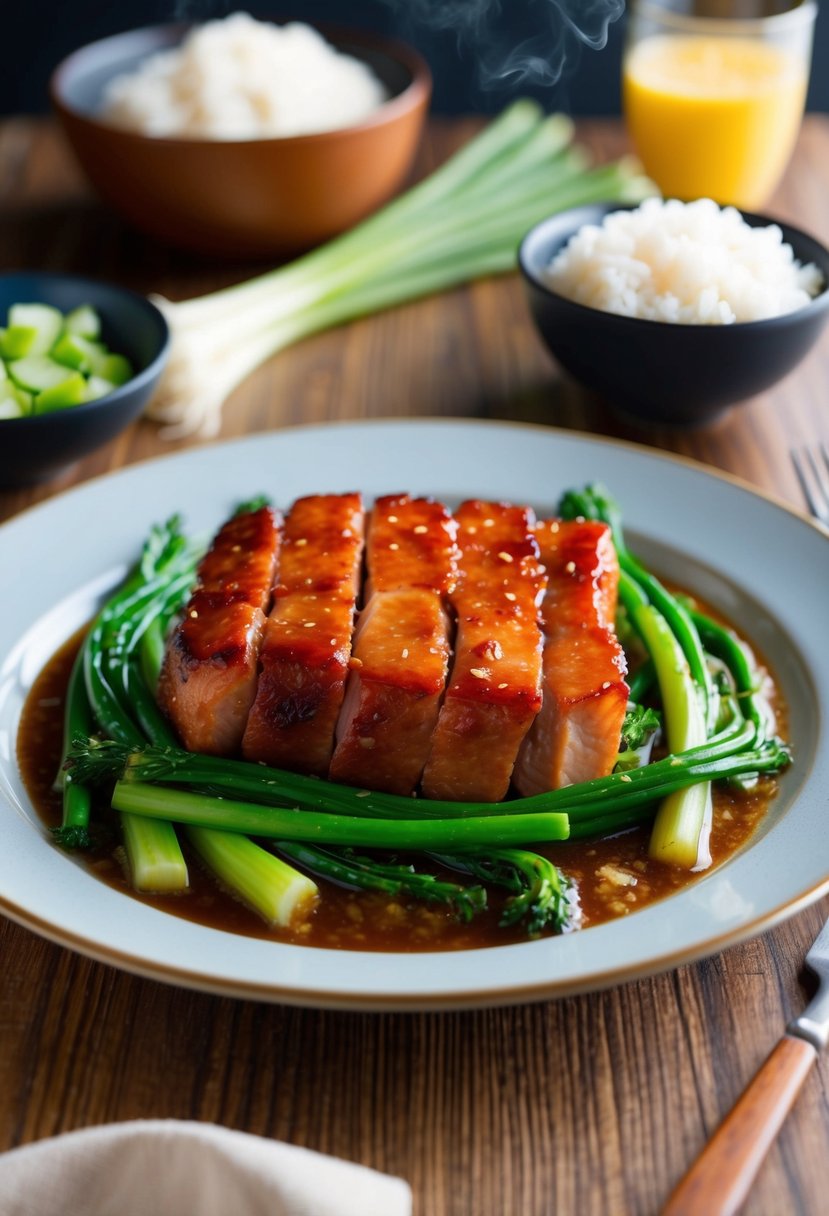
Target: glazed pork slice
576,735
208,678
307,643
494,692
401,647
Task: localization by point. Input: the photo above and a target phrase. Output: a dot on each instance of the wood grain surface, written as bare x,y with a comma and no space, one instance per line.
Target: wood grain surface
595,1104
722,1175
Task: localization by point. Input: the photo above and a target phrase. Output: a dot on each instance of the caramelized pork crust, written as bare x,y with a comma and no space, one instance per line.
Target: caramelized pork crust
484,654
494,692
576,735
208,678
401,647
307,644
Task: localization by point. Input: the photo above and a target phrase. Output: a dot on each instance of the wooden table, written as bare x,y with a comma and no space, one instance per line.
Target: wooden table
592,1104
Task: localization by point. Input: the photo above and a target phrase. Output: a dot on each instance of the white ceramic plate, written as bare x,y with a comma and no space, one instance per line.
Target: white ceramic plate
763,565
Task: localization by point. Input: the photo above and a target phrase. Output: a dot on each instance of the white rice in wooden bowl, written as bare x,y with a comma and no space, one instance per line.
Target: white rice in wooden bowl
686,263
238,78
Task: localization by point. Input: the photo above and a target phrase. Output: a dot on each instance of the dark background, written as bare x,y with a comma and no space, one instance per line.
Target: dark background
469,44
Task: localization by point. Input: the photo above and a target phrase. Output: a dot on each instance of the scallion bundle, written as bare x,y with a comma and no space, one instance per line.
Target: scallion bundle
463,222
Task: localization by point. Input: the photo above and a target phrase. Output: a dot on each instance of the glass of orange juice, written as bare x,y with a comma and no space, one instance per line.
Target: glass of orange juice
713,99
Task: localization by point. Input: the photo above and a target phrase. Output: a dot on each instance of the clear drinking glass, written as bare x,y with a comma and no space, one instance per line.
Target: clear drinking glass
714,92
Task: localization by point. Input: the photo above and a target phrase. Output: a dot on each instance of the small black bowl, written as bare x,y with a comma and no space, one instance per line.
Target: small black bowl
35,448
656,372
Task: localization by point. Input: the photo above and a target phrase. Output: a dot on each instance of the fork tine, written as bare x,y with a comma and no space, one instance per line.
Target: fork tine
811,464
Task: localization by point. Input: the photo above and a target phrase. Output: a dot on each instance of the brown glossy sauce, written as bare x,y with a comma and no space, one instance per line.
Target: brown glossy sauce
614,876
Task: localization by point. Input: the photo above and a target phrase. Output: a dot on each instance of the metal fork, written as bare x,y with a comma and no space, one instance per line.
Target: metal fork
811,464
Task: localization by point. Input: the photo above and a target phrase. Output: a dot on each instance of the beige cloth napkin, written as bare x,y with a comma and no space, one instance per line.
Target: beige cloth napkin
163,1167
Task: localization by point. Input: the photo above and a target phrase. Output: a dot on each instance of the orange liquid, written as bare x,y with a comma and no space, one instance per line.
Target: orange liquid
714,117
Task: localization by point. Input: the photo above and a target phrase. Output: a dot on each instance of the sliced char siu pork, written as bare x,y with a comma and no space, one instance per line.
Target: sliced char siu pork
307,644
208,678
494,692
576,735
401,647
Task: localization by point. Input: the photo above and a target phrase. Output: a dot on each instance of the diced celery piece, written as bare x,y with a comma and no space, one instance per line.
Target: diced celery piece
49,362
10,407
75,351
47,322
70,391
38,372
97,386
83,320
23,399
116,368
93,353
17,341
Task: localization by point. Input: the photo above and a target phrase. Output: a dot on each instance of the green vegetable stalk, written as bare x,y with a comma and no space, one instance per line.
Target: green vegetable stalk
281,823
348,869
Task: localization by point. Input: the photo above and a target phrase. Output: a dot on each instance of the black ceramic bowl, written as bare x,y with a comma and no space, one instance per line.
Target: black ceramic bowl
659,373
37,447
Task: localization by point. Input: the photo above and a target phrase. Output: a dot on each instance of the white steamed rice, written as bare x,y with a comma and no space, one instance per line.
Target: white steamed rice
686,263
238,78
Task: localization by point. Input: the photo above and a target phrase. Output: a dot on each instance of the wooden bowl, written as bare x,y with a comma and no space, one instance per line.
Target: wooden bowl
243,197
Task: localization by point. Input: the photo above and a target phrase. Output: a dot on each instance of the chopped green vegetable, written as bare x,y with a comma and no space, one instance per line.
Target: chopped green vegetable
41,320
71,391
24,399
115,368
156,860
10,407
37,372
83,320
97,387
78,352
51,362
16,341
278,892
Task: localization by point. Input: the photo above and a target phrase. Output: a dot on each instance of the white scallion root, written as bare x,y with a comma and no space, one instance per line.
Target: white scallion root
191,394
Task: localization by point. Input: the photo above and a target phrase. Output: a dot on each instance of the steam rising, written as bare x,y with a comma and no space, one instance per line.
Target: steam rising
518,41
512,42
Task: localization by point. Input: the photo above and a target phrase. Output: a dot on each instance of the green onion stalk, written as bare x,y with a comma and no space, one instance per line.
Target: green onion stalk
461,223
